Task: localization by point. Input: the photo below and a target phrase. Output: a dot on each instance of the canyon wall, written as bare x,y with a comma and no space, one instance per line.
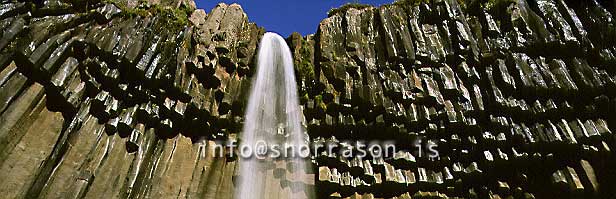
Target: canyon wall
125,99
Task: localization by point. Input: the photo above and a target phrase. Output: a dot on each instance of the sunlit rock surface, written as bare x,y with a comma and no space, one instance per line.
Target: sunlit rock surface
125,99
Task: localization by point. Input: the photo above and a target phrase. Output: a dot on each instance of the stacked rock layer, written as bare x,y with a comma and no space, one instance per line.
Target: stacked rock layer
126,99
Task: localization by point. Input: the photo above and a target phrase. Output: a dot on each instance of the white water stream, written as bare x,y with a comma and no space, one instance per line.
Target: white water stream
273,116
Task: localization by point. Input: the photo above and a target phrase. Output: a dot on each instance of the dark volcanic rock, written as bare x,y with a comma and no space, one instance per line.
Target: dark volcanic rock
127,98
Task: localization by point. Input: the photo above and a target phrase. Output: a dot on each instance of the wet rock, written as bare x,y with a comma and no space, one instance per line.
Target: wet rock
433,41
142,65
584,76
17,25
398,42
106,12
432,90
11,89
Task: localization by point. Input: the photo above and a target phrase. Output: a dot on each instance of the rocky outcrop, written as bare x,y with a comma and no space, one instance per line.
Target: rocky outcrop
121,101
127,98
509,90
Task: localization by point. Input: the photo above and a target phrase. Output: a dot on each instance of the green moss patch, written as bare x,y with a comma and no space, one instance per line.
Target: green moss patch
174,18
346,7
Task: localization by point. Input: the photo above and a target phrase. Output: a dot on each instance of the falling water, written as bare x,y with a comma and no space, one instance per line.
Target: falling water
273,116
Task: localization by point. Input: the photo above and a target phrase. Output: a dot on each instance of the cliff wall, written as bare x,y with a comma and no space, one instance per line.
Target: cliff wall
126,99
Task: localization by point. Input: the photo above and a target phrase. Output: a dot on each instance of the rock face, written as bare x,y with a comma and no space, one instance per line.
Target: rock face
127,99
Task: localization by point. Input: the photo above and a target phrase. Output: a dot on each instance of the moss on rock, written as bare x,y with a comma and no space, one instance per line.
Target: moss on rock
346,7
174,18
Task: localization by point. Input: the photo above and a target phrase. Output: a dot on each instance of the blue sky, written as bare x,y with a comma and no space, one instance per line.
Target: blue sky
286,16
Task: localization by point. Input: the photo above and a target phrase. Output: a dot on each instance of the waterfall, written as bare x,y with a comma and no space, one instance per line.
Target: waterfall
273,116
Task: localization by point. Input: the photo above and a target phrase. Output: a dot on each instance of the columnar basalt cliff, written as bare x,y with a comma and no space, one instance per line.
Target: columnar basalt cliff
125,99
